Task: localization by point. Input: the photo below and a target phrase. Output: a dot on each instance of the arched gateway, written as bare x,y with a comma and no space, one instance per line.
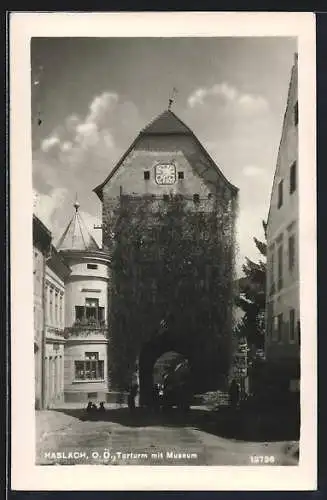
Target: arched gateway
156,347
171,262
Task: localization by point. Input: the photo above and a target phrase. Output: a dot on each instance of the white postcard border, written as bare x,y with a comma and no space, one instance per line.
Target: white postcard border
26,475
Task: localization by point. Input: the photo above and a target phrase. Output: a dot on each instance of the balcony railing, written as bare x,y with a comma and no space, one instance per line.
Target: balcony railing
52,330
84,328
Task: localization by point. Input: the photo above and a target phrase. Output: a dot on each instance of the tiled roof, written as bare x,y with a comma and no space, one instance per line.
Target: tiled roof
166,123
76,235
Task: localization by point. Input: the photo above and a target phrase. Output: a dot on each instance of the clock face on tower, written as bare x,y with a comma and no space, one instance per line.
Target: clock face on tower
165,173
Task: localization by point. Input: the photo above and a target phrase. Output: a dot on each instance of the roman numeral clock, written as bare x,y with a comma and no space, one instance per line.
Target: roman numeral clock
165,173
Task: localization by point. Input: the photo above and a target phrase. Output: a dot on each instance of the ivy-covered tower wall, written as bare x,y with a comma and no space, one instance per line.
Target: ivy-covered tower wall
168,216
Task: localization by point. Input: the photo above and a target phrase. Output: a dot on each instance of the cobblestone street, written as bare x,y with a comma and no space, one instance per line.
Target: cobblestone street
64,437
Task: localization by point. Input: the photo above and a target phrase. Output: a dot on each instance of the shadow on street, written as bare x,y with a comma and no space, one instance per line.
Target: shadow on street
225,423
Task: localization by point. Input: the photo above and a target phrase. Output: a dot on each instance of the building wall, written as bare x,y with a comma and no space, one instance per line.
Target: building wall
38,275
54,373
54,332
159,149
282,294
54,300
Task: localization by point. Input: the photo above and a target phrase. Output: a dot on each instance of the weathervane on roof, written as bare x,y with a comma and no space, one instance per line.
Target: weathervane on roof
172,96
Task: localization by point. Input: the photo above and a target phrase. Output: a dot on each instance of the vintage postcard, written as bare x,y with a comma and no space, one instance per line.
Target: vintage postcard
163,249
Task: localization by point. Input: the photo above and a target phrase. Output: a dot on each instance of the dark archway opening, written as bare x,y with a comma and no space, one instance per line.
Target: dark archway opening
165,365
160,355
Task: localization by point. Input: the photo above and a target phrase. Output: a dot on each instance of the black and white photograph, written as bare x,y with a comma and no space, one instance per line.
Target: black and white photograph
165,233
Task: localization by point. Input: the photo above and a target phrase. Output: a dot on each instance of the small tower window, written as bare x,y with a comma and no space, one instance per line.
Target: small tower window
196,198
165,197
181,175
92,266
146,174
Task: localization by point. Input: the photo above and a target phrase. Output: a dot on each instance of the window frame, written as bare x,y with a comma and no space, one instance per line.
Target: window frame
291,254
280,266
293,180
296,113
272,282
91,266
280,319
292,336
90,366
275,328
280,194
99,311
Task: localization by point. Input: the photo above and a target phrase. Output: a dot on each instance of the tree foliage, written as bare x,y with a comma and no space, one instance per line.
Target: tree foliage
172,265
252,297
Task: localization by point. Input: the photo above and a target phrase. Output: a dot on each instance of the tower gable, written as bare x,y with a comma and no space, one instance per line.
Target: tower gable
166,140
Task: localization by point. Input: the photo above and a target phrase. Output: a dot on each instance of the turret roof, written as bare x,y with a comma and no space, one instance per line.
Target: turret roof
166,123
76,235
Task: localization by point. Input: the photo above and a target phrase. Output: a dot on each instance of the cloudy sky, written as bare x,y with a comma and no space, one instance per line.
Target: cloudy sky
94,95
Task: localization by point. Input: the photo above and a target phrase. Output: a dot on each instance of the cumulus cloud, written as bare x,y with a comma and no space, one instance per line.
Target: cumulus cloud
108,122
49,209
66,146
45,206
82,134
78,154
230,95
49,143
100,106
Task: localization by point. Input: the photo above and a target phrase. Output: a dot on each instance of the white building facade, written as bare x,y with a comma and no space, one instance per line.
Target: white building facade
56,273
282,292
86,314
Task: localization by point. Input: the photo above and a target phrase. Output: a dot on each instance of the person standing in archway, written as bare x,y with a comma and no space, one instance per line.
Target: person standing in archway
132,395
234,393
